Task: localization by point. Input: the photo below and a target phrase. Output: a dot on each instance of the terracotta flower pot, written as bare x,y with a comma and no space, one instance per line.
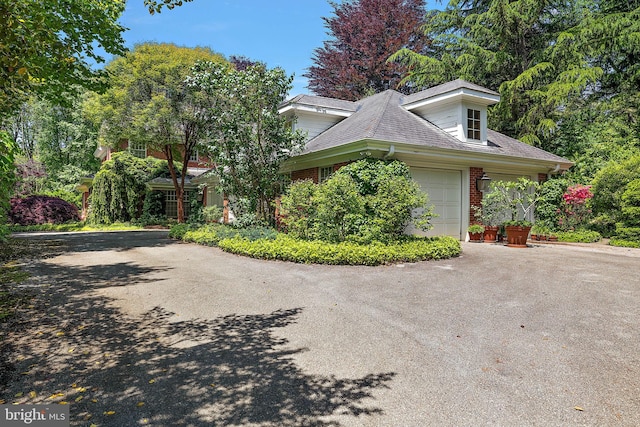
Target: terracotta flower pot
475,237
517,236
490,234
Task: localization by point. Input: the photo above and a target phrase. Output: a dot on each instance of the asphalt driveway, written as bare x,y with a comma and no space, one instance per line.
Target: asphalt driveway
134,329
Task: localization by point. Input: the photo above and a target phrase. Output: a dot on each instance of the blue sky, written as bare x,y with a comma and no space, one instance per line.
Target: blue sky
281,33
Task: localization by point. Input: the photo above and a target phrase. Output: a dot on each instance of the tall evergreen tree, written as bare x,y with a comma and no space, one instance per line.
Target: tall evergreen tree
364,33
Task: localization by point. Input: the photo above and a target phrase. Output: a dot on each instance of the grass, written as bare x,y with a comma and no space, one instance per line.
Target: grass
76,226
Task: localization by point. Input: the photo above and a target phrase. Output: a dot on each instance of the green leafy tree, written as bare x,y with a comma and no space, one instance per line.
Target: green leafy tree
119,187
249,140
8,150
527,49
150,102
46,48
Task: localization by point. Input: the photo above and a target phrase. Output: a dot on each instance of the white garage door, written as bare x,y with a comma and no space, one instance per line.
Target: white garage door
445,193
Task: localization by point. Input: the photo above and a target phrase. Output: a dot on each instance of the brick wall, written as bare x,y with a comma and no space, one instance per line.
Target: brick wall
542,177
299,175
475,196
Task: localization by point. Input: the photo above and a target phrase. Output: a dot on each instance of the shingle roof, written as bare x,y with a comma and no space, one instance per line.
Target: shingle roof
381,117
321,101
444,88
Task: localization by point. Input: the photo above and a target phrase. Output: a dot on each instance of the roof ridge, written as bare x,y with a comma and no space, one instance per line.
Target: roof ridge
388,94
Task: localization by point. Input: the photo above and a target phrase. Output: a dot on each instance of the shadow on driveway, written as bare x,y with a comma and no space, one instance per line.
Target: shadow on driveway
72,345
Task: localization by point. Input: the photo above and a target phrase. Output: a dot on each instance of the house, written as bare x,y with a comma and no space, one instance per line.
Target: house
441,133
197,167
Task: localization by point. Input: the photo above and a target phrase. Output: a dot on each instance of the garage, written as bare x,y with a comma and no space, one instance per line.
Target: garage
444,188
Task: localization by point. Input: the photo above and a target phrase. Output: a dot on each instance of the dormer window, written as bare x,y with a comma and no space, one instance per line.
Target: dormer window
473,124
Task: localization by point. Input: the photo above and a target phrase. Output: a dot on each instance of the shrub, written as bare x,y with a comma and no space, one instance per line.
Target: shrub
365,201
285,248
608,186
34,210
297,209
574,211
339,209
631,203
579,236
550,202
212,213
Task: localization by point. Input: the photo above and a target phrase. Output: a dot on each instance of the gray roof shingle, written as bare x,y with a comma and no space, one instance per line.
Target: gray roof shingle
444,88
381,117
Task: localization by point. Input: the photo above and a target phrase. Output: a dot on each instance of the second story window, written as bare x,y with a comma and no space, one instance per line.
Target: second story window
325,173
473,124
138,149
194,156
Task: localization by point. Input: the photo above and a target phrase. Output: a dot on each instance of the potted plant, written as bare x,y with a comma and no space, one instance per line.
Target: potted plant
476,232
517,199
488,214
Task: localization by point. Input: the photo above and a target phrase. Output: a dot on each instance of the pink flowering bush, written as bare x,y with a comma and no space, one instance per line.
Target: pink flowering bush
575,212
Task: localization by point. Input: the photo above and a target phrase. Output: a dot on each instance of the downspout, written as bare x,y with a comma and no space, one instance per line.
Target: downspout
390,153
555,170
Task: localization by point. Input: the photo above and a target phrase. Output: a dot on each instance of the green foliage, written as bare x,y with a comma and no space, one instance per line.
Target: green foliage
339,209
153,207
266,243
608,187
298,209
578,236
75,226
212,213
630,202
48,48
150,102
550,202
516,198
119,188
364,201
8,150
156,6
286,248
475,228
251,140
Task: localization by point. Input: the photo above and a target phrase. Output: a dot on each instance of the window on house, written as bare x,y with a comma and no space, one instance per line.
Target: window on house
138,149
171,204
473,124
194,157
325,173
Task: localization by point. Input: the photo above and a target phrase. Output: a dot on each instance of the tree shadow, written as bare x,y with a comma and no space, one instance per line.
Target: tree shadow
73,345
120,241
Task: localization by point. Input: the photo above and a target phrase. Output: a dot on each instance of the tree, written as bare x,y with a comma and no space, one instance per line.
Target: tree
8,150
525,49
119,187
249,140
155,6
549,59
46,48
149,102
353,64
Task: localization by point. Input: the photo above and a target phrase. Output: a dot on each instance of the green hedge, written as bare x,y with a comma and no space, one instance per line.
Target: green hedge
580,236
265,243
285,248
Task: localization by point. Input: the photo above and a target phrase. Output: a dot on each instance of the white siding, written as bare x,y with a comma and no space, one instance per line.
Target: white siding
446,117
315,124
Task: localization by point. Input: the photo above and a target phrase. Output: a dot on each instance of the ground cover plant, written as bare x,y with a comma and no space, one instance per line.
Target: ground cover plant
358,216
266,243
